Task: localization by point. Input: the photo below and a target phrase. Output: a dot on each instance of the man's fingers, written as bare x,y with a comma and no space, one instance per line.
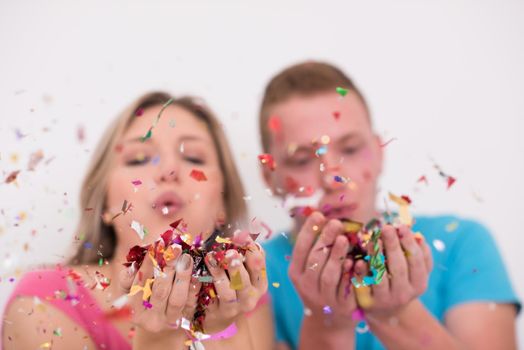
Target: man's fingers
305,240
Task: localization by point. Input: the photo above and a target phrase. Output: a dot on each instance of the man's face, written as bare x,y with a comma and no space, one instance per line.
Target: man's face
326,142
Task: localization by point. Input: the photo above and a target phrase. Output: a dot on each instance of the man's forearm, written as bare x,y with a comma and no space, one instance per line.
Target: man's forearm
319,334
414,328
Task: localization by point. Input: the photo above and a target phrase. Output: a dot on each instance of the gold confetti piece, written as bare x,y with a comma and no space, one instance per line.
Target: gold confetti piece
219,239
403,212
351,226
146,289
276,284
169,254
46,345
236,281
364,298
452,226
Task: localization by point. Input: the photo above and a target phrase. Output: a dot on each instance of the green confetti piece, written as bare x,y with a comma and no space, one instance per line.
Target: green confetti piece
148,135
341,91
100,262
205,279
57,332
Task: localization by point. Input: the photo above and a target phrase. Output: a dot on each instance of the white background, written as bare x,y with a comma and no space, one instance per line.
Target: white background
445,78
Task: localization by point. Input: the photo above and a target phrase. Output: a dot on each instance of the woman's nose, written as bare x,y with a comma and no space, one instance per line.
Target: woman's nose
168,170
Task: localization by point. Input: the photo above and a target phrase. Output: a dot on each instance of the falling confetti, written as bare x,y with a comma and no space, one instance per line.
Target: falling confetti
139,229
276,284
388,142
336,114
198,175
12,176
150,131
341,91
34,159
267,160
439,245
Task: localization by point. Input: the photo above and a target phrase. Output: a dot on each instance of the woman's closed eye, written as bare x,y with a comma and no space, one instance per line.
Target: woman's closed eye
140,159
194,160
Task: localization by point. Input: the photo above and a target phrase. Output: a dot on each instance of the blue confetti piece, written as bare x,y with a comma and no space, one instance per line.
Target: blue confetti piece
321,150
88,245
327,310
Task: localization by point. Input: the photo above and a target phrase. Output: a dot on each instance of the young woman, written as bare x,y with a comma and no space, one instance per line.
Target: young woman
141,179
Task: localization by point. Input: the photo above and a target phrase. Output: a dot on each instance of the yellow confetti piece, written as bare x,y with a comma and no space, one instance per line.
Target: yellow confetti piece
219,239
236,282
364,298
146,289
46,345
276,284
403,211
169,254
452,226
212,293
351,226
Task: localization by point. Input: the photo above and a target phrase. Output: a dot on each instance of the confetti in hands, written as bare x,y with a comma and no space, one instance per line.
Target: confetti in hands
162,252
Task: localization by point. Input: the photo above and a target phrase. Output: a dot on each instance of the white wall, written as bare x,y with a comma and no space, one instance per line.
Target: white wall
445,78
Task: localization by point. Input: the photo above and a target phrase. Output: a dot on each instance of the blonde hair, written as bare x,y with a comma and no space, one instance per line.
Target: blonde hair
99,239
302,79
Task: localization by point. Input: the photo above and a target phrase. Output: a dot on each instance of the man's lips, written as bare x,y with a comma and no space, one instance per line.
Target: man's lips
167,203
338,212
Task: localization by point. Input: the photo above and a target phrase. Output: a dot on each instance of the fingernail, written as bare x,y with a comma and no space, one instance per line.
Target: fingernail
183,262
131,269
211,260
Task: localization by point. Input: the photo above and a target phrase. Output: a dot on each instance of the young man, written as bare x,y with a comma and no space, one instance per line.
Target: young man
321,138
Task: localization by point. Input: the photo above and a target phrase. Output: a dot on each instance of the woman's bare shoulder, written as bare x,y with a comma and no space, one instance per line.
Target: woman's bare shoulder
32,323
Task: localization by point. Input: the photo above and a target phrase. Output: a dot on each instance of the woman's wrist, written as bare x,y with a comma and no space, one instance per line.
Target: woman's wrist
172,339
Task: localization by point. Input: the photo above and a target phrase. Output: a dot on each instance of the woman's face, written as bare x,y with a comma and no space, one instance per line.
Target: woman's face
352,153
180,144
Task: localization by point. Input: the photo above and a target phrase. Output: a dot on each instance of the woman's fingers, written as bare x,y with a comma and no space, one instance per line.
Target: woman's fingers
255,264
225,294
240,279
126,277
180,290
163,284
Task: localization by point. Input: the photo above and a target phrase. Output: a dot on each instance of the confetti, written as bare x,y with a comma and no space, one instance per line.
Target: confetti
336,114
452,226
276,284
139,112
139,229
136,182
439,245
12,176
274,124
403,202
150,131
341,91
423,179
198,175
327,310
450,180
388,142
321,150
34,159
267,160
198,250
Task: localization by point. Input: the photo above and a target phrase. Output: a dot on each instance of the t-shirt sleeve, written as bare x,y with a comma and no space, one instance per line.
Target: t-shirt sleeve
476,271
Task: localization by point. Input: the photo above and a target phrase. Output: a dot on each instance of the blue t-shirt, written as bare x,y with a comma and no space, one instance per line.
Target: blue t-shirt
467,267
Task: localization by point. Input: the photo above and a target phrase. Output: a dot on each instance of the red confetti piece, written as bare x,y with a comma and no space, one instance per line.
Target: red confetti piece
124,313
423,179
136,182
267,159
291,185
139,112
388,142
198,175
274,124
450,180
406,198
12,177
336,114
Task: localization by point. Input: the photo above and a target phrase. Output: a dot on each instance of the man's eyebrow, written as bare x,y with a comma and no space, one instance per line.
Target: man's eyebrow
348,137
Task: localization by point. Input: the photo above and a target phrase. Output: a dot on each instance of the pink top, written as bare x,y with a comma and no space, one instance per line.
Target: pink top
74,300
